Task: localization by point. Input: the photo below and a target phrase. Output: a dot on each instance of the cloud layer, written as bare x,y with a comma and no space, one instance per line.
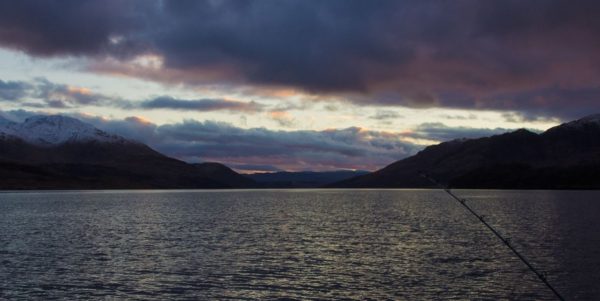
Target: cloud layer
270,150
167,102
538,56
42,93
350,148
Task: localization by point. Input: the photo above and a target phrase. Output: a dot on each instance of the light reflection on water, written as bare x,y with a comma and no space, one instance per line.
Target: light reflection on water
297,244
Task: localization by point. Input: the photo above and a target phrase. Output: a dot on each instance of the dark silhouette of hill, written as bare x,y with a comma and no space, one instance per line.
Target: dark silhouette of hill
71,159
224,174
563,157
302,179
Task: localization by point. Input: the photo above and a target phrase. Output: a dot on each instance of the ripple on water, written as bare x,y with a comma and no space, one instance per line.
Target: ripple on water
295,245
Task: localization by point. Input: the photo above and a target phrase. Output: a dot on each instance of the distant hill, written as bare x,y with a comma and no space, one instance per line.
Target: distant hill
224,174
302,179
563,157
58,152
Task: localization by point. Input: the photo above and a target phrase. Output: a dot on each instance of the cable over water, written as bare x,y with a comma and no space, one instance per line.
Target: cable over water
481,218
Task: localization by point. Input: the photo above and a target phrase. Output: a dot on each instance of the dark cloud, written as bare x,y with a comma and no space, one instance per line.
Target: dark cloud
498,54
61,96
41,93
167,102
461,117
520,117
12,90
72,27
307,44
563,102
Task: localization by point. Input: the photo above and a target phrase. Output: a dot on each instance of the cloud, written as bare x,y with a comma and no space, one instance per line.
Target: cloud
255,167
261,149
441,132
167,102
566,103
350,148
282,118
499,54
520,117
12,90
17,115
41,93
63,96
58,27
385,115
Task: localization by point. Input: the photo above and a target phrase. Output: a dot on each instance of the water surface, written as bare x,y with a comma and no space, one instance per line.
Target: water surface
296,244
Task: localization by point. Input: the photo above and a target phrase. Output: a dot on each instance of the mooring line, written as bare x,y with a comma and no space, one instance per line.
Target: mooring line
506,241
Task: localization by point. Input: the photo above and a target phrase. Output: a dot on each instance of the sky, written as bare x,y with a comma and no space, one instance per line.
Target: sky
301,85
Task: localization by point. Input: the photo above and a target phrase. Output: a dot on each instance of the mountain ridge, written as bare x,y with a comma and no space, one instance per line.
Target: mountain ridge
58,152
46,130
302,179
519,159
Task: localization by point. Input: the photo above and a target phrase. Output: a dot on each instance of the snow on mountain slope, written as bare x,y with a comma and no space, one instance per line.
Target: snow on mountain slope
4,121
51,130
5,126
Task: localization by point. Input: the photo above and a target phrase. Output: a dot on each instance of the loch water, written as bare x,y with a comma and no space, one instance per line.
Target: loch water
296,245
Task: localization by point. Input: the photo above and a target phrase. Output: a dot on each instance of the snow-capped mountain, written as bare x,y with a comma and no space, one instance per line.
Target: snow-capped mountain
5,126
58,152
49,130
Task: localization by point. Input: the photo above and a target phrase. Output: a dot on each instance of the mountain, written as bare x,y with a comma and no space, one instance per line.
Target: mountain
224,174
563,157
58,152
55,129
303,179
